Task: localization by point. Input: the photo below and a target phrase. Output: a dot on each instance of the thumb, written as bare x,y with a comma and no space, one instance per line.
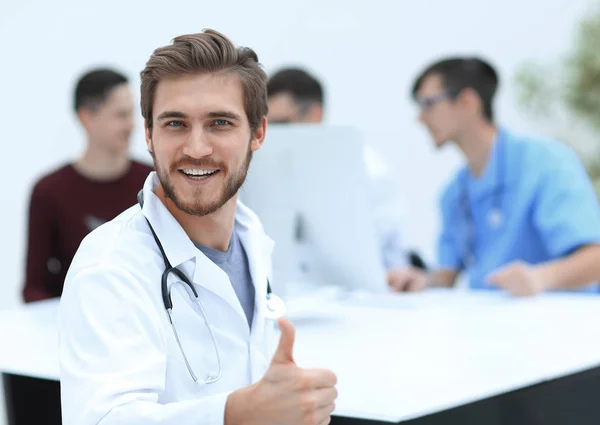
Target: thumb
284,354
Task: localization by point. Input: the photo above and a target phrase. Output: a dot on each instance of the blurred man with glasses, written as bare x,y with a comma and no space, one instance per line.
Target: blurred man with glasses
522,214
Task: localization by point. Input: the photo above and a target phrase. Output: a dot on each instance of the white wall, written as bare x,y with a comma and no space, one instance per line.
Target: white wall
367,53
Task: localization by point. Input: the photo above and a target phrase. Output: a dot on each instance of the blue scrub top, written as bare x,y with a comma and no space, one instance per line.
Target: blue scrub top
547,203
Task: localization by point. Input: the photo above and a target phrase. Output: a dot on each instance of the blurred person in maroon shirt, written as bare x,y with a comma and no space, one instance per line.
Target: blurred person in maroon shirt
65,206
70,202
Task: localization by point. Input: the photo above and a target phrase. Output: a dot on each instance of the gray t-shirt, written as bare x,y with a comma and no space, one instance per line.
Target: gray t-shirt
234,262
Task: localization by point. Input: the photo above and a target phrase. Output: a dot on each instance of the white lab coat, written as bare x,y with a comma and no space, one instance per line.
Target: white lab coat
389,209
119,360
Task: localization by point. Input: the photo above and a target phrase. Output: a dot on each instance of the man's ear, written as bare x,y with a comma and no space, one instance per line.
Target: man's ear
85,116
258,136
315,113
148,134
469,99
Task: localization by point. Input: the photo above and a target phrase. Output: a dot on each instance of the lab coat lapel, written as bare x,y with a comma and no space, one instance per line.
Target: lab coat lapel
211,277
258,248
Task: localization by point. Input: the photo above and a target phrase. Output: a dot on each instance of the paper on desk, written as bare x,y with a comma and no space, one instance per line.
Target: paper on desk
317,304
432,298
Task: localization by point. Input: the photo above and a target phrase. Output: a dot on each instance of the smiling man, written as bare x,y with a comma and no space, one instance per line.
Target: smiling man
167,315
200,180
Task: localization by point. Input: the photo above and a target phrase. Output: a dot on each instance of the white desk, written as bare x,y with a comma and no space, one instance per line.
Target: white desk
430,352
30,340
411,356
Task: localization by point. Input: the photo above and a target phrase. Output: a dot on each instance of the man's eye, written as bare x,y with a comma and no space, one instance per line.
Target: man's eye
221,123
174,124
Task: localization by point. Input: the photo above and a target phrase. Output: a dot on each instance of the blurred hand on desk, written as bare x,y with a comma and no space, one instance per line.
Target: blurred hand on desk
407,279
413,279
518,279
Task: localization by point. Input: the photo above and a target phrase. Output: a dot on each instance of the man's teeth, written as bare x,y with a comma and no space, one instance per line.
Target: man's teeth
191,172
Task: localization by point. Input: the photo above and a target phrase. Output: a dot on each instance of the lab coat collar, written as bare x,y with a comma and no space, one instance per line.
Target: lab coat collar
177,245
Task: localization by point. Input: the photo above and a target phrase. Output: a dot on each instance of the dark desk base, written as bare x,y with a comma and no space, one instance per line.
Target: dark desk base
31,401
573,400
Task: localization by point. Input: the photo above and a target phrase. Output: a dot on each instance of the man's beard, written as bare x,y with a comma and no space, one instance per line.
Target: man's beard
197,207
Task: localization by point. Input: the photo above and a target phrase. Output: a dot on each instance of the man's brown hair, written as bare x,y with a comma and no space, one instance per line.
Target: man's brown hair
206,52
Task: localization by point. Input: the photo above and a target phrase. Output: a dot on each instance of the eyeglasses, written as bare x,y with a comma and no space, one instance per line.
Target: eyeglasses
427,102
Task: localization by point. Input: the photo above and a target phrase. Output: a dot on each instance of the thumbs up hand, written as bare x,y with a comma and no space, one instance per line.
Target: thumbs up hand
287,394
285,349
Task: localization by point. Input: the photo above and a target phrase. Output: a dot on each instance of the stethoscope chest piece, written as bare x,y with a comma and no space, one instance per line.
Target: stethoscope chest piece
495,218
275,307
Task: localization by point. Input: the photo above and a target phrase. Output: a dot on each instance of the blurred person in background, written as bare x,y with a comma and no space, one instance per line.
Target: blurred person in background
522,214
73,200
66,205
296,96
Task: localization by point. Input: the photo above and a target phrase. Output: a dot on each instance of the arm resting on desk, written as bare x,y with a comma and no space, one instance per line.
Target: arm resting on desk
567,218
580,268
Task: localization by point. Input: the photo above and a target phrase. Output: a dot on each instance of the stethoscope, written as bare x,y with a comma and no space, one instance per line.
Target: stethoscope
495,216
275,306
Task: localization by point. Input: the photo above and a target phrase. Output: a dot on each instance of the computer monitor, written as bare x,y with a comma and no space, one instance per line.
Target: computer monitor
308,185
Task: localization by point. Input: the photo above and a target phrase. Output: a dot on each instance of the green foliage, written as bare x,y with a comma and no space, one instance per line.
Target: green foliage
570,87
582,85
535,94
